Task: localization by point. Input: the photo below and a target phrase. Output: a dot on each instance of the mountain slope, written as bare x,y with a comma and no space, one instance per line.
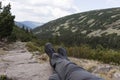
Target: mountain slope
92,27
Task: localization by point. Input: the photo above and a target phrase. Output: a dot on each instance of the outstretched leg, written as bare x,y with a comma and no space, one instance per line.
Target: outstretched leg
66,69
54,76
49,50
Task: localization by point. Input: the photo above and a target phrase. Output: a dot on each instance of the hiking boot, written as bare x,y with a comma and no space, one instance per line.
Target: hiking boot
49,49
62,52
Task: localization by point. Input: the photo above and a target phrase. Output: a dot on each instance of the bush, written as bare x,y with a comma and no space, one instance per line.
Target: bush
100,54
21,35
31,46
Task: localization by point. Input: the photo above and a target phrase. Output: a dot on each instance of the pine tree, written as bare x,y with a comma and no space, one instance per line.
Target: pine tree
27,30
0,6
6,22
23,27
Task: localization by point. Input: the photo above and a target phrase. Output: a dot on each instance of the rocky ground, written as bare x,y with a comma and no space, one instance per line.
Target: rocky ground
17,63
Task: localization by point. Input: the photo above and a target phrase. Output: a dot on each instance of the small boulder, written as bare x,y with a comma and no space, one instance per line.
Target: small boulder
43,57
103,69
5,48
36,53
116,76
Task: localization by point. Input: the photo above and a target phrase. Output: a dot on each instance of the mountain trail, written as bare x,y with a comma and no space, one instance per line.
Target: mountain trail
19,64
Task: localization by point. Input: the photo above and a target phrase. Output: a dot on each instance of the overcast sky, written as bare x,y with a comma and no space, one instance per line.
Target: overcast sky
47,10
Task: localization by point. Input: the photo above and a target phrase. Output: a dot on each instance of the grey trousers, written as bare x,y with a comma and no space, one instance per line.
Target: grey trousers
66,70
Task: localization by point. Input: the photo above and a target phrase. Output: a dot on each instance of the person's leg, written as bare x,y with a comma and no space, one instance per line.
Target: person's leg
54,76
68,70
49,50
63,52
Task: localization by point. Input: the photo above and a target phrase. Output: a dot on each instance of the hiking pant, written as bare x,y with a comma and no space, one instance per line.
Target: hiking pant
66,70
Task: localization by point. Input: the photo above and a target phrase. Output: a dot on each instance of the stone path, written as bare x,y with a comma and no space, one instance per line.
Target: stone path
19,64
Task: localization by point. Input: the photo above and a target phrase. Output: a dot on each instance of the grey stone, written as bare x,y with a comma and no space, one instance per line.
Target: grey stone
116,76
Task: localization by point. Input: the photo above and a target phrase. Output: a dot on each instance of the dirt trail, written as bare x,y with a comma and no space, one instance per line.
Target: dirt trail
20,64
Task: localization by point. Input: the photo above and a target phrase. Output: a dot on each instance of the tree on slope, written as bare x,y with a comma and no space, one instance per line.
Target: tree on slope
6,22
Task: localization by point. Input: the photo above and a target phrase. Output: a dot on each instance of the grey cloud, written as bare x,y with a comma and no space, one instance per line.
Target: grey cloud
41,9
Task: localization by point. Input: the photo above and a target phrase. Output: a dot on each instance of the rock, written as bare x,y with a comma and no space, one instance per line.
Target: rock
43,57
36,53
3,67
92,68
23,51
116,76
1,44
6,48
103,69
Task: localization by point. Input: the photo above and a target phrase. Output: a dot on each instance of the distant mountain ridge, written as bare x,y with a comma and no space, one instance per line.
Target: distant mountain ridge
28,24
93,27
32,24
19,24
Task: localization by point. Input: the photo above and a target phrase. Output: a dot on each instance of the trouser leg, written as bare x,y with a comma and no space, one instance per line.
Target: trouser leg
62,66
70,71
54,76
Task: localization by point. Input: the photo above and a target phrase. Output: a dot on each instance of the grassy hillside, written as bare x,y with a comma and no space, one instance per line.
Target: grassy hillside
98,27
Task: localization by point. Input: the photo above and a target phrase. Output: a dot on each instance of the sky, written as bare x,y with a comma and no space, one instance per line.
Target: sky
46,10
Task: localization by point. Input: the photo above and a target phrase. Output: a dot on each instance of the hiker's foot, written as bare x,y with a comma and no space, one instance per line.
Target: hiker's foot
49,49
62,52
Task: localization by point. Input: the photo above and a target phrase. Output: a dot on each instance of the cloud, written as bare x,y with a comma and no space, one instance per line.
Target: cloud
41,10
47,10
114,2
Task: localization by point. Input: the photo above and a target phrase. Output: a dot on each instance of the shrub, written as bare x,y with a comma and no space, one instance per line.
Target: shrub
100,54
31,46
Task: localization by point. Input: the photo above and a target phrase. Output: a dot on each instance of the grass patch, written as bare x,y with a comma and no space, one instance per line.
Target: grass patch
32,47
4,77
100,54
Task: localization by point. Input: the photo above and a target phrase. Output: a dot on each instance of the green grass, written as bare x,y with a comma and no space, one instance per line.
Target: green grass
4,77
100,54
32,47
